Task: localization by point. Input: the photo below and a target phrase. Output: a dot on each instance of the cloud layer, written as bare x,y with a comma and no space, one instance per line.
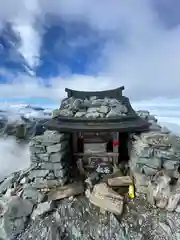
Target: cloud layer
142,49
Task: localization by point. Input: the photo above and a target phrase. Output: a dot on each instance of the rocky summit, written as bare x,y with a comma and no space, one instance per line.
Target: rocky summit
56,198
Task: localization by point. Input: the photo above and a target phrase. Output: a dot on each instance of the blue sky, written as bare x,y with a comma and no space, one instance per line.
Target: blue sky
46,46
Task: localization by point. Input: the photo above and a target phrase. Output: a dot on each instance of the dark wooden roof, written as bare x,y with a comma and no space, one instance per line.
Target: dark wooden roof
69,125
129,123
113,93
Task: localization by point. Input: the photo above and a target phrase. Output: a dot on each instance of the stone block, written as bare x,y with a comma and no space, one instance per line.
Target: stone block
49,138
44,157
68,190
57,157
33,194
120,181
57,147
39,173
150,162
10,228
165,154
60,173
37,149
142,150
45,183
53,166
15,207
170,165
41,209
104,197
6,184
173,202
148,171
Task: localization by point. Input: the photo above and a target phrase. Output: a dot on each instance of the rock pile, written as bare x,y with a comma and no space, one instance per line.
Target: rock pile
13,216
50,155
155,163
91,108
153,151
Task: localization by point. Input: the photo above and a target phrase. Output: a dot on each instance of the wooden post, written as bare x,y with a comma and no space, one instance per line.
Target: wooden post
116,147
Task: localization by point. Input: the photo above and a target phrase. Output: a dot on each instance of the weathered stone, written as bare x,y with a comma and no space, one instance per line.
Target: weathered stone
73,189
92,110
57,147
41,209
52,166
106,198
150,162
150,193
54,232
178,208
120,181
34,158
75,105
38,173
65,113
6,184
60,173
46,183
173,202
141,182
80,114
157,139
50,175
53,137
165,154
42,156
143,113
94,115
115,113
162,203
149,171
104,109
162,191
57,157
10,228
142,150
170,165
37,149
92,179
33,194
15,207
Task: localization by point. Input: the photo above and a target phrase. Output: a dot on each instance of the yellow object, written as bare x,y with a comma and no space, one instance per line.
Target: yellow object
131,191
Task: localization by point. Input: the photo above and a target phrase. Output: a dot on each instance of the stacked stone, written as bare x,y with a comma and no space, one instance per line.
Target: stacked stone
154,151
144,114
91,108
49,154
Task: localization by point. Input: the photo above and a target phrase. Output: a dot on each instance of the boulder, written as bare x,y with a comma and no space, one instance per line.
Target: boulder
15,207
41,209
104,197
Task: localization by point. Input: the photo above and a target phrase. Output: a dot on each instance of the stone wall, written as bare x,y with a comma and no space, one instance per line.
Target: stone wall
50,156
91,108
155,163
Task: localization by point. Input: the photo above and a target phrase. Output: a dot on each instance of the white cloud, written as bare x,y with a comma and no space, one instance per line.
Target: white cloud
13,156
22,15
141,53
